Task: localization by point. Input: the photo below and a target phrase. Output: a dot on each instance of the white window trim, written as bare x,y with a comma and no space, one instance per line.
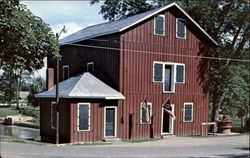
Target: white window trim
78,104
191,113
65,66
104,132
185,30
157,62
171,122
51,114
150,117
184,73
90,63
164,21
174,65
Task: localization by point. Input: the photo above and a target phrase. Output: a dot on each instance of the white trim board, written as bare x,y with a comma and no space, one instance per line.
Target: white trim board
192,113
88,104
104,119
171,122
164,25
150,113
176,28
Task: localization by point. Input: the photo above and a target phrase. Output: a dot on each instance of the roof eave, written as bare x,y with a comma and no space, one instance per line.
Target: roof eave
83,97
86,38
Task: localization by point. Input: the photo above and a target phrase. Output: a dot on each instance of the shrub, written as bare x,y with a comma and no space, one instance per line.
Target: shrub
30,111
247,125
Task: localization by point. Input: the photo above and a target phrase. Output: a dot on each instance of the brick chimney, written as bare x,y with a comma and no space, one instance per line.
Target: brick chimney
50,78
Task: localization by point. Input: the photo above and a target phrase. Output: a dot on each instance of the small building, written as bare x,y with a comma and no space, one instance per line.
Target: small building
109,71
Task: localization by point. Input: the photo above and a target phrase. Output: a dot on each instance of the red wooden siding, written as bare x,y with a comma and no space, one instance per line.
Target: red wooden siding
136,73
47,133
106,61
96,132
131,73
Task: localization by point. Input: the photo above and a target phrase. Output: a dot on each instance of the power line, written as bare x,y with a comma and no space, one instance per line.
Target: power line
158,53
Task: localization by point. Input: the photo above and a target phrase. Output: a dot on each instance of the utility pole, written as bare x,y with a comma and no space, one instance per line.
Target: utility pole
57,86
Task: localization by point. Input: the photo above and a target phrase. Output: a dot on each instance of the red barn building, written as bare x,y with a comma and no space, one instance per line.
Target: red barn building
107,70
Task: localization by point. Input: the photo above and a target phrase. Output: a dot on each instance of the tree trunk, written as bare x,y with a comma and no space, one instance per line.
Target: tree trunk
18,81
217,99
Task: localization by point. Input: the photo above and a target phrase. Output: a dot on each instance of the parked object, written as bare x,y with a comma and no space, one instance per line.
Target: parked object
116,76
224,126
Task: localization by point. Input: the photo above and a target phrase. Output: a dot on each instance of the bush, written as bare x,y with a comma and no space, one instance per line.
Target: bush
30,111
247,125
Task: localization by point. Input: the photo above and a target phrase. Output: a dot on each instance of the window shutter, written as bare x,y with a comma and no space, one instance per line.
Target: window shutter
158,72
188,112
181,28
159,25
180,73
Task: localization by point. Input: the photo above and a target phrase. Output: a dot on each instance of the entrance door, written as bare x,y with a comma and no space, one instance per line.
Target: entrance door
167,123
110,122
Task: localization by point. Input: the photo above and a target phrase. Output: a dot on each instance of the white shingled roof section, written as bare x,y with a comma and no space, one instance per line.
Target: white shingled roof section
122,25
83,86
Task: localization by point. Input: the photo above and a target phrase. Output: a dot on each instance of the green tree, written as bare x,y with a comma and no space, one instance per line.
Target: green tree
227,21
25,40
7,86
37,86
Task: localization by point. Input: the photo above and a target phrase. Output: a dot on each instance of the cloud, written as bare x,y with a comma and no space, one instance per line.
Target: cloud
57,12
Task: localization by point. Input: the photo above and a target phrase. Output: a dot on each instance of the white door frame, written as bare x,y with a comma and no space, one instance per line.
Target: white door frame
171,122
115,126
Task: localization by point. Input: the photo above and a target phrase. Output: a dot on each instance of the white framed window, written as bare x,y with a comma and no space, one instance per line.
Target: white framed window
180,28
83,116
180,73
65,72
169,78
188,112
168,73
159,25
145,114
158,71
53,114
90,66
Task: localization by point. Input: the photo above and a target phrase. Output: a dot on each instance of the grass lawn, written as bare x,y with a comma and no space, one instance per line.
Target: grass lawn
140,140
24,111
5,111
7,138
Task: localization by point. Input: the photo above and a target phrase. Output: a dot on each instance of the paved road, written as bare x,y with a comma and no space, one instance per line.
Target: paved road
237,146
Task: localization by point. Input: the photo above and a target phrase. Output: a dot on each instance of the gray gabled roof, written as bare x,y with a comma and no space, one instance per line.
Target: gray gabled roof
84,85
121,25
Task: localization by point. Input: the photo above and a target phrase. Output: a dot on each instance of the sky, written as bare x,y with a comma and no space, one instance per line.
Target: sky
75,15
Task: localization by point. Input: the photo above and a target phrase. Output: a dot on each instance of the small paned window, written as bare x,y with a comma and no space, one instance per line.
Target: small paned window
146,113
169,74
168,84
188,112
53,114
158,67
83,117
159,25
65,72
181,28
90,66
180,73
